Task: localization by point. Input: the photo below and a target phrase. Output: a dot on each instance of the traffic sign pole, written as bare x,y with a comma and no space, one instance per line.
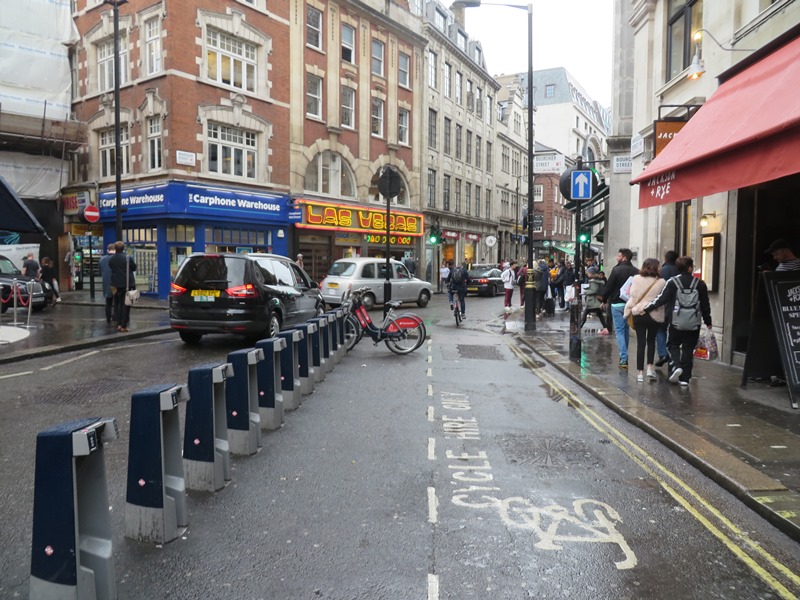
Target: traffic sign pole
576,307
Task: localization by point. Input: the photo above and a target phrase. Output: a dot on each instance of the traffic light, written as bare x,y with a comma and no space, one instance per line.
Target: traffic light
435,235
584,237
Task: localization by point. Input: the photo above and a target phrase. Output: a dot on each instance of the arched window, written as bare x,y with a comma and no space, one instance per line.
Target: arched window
375,196
328,174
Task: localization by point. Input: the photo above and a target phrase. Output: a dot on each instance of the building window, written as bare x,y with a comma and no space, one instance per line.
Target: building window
459,83
448,80
459,130
431,188
470,96
478,153
468,149
505,159
538,193
348,116
313,28
432,118
403,120
231,151
446,192
432,69
154,144
479,103
328,174
448,125
467,198
152,46
313,96
404,69
489,111
488,212
105,64
377,117
549,90
348,44
440,21
377,57
684,18
231,61
458,195
489,158
461,41
108,152
477,201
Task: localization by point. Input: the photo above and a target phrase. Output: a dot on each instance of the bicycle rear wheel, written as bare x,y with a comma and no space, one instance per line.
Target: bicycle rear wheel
411,337
457,311
352,332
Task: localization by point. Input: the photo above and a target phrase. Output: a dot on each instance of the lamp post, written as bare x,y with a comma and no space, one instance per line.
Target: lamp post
117,142
530,309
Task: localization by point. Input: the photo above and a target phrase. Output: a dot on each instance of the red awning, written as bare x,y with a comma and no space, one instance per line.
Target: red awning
747,133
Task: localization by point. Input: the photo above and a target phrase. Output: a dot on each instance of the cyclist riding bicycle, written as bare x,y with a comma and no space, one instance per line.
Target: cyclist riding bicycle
457,283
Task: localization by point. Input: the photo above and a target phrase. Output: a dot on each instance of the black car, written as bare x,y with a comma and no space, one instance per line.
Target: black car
485,282
25,285
250,294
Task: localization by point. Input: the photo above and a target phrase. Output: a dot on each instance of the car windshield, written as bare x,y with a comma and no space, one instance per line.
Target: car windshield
480,272
7,267
342,268
211,272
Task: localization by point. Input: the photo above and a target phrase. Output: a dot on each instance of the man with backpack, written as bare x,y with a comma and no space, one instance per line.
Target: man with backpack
689,296
457,283
509,278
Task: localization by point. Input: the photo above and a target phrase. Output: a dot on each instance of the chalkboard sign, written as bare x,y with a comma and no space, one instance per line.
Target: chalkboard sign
778,296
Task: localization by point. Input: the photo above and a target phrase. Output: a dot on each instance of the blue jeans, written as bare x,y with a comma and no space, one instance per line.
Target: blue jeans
621,329
661,341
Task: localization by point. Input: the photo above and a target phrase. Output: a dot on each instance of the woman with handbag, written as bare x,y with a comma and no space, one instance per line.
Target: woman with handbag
122,280
645,288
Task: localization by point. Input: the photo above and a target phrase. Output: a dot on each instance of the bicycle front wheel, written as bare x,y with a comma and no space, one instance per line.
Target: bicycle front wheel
457,313
352,332
410,338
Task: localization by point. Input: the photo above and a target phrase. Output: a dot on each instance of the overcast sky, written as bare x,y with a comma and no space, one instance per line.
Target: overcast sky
575,34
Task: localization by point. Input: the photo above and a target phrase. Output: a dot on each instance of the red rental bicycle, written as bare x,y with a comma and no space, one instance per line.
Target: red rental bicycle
402,333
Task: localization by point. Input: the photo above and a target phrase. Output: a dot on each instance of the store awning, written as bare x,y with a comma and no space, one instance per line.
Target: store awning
747,133
14,215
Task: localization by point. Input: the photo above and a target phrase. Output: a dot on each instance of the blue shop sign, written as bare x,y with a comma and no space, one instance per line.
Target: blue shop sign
186,199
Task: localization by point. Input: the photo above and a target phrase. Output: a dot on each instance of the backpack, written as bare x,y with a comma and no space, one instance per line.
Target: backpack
507,276
458,275
686,314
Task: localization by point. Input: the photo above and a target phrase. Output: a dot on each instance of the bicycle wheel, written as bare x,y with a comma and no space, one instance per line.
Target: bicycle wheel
457,311
412,321
352,332
411,338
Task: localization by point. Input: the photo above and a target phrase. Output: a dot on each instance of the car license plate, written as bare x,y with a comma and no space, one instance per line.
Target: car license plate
472,289
333,285
205,295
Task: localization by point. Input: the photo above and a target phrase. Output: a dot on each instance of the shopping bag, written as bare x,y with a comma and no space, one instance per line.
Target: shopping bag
569,293
131,297
625,290
706,348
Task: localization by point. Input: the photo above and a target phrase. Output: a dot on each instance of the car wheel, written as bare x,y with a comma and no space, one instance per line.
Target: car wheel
368,300
493,290
190,337
320,309
424,298
274,324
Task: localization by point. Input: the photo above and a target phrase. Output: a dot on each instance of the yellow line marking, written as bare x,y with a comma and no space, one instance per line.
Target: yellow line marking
620,440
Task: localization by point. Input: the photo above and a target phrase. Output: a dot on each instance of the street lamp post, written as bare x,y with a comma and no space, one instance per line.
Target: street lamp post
530,309
117,142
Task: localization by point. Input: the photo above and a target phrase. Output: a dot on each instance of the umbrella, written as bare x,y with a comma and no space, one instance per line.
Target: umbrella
15,215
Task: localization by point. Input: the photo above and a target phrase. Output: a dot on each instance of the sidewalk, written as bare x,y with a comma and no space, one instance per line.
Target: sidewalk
745,439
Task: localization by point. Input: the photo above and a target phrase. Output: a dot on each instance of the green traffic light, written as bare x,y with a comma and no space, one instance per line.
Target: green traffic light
584,237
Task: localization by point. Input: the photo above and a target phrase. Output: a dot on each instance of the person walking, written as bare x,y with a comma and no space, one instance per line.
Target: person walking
522,280
509,279
668,271
105,274
610,295
444,273
49,276
31,267
645,288
123,268
299,261
593,304
689,295
568,278
541,281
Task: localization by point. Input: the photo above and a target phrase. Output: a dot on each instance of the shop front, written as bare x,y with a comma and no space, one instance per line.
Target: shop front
328,231
164,223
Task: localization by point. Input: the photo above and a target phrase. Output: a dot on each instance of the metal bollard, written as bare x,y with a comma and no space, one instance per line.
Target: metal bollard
290,369
338,314
206,454
15,294
155,503
241,399
305,362
71,549
270,394
317,348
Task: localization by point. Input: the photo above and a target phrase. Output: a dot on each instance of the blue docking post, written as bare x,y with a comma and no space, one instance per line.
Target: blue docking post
71,549
206,454
305,354
155,504
241,396
270,393
317,352
290,369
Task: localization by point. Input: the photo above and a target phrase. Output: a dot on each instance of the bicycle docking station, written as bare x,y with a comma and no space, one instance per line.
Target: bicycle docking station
155,503
71,546
333,344
290,369
241,398
206,452
317,357
341,349
270,393
305,362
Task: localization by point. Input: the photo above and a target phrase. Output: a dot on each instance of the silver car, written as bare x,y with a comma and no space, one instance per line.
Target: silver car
354,273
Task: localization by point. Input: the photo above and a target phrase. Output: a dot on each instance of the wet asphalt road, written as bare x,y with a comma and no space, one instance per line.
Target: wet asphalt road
465,470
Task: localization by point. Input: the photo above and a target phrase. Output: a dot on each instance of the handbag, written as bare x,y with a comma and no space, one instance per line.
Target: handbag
625,290
707,348
131,297
650,287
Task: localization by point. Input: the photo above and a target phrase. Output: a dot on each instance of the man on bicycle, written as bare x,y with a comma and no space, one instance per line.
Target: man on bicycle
457,283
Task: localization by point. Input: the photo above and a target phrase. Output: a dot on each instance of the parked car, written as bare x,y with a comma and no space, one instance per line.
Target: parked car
354,273
485,282
8,273
249,294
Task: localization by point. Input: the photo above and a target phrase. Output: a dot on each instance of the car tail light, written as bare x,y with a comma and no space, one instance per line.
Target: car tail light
176,290
483,281
242,291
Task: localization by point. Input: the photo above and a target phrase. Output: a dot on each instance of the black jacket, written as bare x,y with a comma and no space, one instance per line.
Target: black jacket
118,277
619,275
670,291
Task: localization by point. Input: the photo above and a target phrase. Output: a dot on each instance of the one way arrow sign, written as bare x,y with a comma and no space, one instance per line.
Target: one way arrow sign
581,185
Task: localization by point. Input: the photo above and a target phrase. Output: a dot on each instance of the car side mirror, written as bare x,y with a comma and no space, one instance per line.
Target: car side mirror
314,285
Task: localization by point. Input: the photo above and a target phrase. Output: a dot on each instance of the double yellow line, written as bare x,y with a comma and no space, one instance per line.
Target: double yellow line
747,550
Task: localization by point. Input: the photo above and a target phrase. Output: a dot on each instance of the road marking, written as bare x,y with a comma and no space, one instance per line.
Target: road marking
632,450
21,374
433,505
430,358
430,390
70,360
430,413
433,587
431,448
430,373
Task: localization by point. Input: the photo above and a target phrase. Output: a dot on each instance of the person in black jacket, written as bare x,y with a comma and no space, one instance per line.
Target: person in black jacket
681,343
668,270
610,295
122,279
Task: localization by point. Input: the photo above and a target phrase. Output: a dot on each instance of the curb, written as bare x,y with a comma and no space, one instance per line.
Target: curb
766,496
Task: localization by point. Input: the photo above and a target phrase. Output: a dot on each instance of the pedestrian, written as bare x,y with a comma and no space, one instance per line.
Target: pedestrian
31,267
610,296
522,279
541,282
689,295
299,261
509,278
568,277
444,273
668,271
410,264
49,276
646,287
783,253
105,274
593,304
457,283
123,268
